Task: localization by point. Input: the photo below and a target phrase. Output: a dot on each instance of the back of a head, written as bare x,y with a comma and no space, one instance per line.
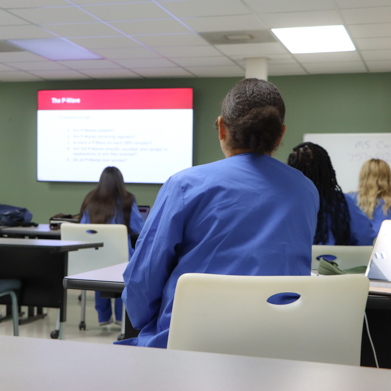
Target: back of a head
375,178
111,182
253,112
333,215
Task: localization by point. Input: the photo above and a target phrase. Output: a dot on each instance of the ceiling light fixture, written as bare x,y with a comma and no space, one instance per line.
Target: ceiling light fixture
317,39
55,49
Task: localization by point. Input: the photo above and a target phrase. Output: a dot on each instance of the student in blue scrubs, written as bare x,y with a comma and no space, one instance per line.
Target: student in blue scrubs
340,221
374,191
248,214
111,203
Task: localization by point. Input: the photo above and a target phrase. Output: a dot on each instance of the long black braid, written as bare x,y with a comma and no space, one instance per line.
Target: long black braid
315,164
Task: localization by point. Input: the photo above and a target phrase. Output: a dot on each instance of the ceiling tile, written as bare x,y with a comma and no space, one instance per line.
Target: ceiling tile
162,72
252,49
285,69
188,51
269,56
373,55
37,66
60,75
149,27
7,19
105,42
21,32
32,3
361,3
367,15
133,11
123,53
193,8
370,30
147,63
230,71
18,76
202,61
224,23
379,66
53,15
171,40
90,64
373,43
90,2
301,19
261,6
327,57
111,74
6,68
334,67
70,30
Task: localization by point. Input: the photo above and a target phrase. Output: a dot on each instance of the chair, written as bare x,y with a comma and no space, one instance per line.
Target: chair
8,287
115,250
231,315
347,257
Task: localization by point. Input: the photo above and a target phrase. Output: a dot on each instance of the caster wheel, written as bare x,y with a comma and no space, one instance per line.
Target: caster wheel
79,298
121,337
82,325
55,334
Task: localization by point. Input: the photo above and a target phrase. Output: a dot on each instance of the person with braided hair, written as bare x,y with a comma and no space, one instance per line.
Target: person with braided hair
340,221
247,214
374,191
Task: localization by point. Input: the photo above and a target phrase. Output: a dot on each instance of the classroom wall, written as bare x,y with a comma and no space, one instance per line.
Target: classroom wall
315,104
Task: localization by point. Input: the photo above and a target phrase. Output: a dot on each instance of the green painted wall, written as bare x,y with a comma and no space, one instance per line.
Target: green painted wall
315,104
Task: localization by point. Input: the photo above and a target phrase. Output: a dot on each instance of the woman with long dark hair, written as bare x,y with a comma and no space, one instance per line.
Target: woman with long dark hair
340,221
247,214
111,203
374,191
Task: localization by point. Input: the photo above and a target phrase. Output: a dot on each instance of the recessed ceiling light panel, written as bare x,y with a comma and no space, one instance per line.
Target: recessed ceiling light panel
318,39
55,49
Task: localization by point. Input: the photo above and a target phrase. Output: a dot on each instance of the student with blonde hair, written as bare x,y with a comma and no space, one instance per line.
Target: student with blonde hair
374,191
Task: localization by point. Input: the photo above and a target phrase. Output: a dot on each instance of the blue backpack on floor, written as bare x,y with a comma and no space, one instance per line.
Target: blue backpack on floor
13,216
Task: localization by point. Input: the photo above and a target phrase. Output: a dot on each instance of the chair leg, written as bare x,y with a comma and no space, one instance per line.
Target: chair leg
15,313
82,324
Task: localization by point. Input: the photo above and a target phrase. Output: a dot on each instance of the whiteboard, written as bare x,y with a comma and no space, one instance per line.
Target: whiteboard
348,151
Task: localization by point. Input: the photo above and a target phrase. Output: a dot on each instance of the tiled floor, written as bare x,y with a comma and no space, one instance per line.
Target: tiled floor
42,328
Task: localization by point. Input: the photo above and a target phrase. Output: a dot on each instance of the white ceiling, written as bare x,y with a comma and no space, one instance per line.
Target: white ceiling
162,38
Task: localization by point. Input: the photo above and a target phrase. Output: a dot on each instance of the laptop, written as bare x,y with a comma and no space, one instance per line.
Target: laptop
379,266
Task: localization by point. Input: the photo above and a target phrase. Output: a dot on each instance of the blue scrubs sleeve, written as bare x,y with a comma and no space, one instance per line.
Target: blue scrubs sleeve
85,219
136,221
155,256
361,230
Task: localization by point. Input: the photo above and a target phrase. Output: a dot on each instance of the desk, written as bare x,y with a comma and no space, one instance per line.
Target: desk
43,231
41,265
38,364
108,279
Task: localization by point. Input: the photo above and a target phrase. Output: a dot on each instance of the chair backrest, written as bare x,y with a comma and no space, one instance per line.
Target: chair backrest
347,256
231,315
114,251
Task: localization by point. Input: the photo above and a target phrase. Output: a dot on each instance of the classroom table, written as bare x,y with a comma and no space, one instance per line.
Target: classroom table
109,282
42,231
40,364
41,265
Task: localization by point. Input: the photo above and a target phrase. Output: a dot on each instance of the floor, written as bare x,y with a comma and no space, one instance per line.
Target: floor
43,327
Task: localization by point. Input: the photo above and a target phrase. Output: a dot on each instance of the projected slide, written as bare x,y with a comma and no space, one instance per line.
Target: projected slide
146,133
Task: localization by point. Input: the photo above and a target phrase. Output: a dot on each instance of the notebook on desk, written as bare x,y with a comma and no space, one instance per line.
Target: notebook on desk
379,266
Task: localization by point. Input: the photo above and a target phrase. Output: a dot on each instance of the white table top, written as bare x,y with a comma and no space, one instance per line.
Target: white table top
40,364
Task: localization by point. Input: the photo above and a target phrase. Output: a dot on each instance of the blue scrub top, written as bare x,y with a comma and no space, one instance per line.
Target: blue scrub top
136,223
245,215
378,214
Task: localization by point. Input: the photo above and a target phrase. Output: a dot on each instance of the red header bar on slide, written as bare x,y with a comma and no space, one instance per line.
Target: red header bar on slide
123,99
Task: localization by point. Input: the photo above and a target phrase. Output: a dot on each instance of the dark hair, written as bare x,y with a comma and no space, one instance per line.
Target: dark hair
253,112
315,163
109,199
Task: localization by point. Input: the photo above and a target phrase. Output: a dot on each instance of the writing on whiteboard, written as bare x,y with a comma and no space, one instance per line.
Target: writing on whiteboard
370,149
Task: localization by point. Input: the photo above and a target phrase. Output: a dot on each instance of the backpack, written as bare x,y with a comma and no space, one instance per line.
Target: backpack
13,216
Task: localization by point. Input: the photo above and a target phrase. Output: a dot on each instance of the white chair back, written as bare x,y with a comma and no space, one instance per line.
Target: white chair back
347,256
231,315
114,251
